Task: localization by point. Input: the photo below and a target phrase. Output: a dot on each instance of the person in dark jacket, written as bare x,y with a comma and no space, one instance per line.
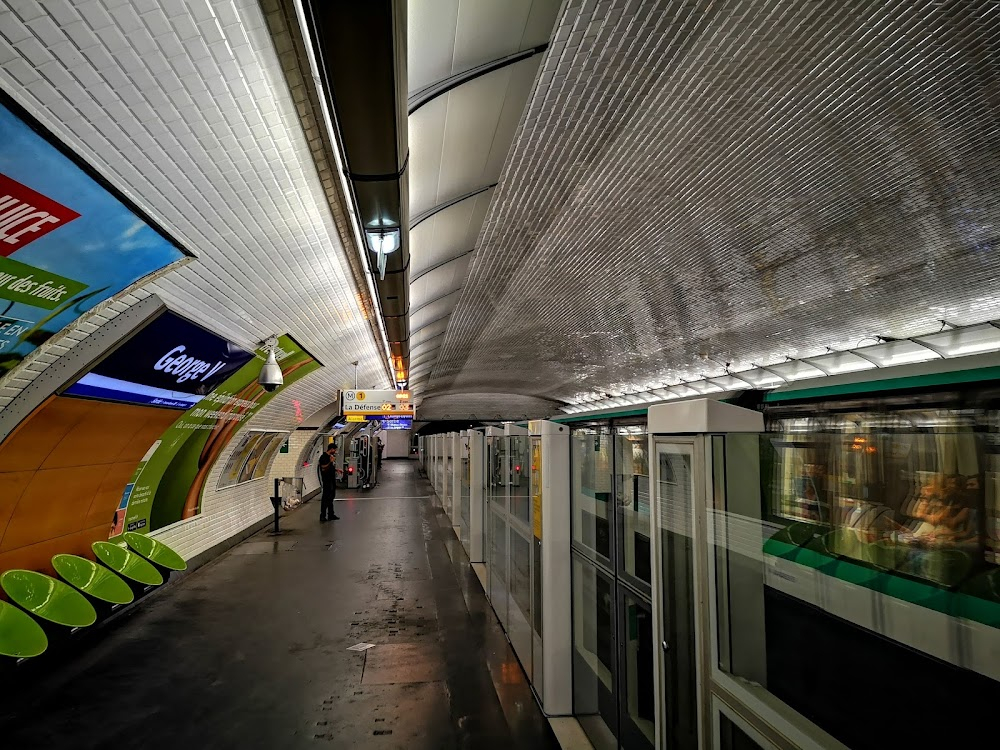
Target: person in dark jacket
328,471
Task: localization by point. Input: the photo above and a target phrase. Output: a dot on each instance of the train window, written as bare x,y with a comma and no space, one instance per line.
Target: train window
850,562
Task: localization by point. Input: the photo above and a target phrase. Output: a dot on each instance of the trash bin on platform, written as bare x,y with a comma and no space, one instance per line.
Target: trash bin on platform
291,492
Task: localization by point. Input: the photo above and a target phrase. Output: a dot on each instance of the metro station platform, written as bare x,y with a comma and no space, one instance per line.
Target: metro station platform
251,650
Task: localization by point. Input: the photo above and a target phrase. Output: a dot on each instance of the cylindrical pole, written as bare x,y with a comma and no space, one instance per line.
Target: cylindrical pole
276,502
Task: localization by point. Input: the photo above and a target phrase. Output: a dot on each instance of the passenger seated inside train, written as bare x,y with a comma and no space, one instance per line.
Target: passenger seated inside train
942,513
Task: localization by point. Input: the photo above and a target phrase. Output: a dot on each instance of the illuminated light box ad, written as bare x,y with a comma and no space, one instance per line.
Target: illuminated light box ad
171,363
252,457
169,484
66,243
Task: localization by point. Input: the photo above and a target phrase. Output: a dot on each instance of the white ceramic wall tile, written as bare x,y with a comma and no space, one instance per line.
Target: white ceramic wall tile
183,107
199,129
231,510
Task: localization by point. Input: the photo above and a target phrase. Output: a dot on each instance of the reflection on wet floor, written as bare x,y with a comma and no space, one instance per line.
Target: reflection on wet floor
251,650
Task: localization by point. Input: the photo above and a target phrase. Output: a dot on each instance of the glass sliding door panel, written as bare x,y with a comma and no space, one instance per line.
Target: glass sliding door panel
520,478
592,516
675,498
497,471
536,612
498,565
464,502
732,737
595,696
857,563
632,487
519,603
636,665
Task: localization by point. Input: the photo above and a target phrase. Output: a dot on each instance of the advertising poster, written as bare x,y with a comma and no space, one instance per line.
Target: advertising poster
171,363
170,485
66,243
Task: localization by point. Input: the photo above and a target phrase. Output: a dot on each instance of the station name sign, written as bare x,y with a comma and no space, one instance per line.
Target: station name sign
382,403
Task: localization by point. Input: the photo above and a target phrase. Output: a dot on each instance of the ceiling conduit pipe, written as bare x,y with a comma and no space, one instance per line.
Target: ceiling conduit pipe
360,49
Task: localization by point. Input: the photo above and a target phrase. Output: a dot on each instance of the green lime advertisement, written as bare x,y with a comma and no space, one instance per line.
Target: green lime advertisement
168,485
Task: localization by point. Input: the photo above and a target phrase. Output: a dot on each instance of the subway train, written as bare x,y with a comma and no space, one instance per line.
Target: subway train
881,543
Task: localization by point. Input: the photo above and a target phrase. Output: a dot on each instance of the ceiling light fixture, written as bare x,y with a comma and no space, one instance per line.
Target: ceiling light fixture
383,241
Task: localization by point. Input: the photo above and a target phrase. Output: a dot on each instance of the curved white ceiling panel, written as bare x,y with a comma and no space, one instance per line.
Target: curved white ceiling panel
428,332
432,311
467,97
447,234
442,280
446,37
459,141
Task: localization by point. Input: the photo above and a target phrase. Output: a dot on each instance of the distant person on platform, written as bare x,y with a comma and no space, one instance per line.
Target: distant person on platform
381,447
328,470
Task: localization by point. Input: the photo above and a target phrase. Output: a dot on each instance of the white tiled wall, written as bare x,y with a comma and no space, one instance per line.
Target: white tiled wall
229,511
183,107
290,464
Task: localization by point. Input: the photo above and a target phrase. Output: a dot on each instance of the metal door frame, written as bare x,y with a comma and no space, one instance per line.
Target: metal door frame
695,447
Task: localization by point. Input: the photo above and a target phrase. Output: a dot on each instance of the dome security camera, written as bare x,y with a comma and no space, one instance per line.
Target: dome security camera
270,378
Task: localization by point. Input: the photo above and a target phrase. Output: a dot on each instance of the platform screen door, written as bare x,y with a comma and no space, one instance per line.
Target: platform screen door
675,591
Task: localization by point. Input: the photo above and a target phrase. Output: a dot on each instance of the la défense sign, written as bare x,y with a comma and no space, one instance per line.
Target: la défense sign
386,403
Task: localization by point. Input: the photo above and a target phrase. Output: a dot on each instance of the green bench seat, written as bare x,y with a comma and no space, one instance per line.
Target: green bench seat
155,551
127,564
20,636
48,598
92,579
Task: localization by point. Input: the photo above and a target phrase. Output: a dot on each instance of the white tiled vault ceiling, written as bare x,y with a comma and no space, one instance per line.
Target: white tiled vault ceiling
459,141
696,184
183,106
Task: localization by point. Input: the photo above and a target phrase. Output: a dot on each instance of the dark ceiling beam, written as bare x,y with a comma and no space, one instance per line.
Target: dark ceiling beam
432,92
360,49
415,221
282,22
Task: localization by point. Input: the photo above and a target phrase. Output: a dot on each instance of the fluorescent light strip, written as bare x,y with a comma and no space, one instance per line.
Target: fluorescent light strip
345,186
766,379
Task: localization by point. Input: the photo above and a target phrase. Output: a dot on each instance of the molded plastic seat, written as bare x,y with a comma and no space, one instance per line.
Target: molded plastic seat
20,636
155,551
48,598
127,564
92,579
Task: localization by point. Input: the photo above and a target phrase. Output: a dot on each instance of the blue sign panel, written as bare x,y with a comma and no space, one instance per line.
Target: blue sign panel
171,362
391,423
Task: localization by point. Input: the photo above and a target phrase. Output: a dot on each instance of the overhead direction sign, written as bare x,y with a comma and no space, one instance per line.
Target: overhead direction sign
377,402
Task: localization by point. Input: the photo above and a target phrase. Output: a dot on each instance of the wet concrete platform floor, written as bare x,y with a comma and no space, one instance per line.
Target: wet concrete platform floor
250,651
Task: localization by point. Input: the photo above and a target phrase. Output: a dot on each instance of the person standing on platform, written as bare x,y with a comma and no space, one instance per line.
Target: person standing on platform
328,471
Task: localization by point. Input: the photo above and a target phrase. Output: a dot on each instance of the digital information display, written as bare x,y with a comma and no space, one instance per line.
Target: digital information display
171,363
391,423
